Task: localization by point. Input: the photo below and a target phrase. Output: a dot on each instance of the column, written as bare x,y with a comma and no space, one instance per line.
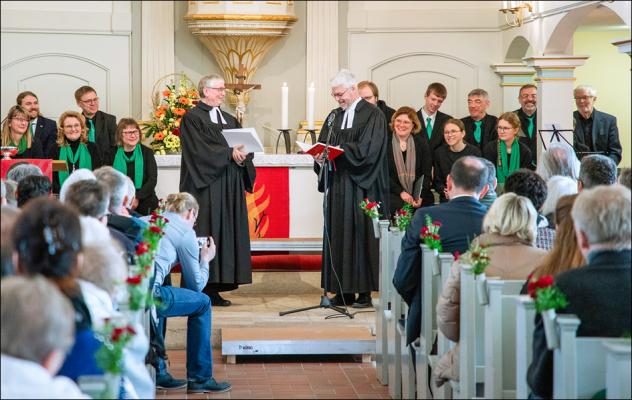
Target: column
512,77
556,81
157,46
322,52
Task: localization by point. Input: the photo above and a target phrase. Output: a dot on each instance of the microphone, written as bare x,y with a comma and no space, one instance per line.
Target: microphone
330,124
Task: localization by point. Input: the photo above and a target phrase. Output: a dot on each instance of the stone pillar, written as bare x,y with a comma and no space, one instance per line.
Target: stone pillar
512,77
556,81
322,52
157,46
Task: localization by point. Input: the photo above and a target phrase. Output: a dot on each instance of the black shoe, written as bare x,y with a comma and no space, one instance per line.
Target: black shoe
337,300
219,301
168,382
363,301
208,386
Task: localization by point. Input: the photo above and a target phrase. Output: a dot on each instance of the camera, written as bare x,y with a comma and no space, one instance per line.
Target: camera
203,241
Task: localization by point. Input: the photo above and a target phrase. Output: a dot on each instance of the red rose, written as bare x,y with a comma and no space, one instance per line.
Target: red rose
155,229
176,132
134,280
545,281
435,236
116,334
456,255
404,212
437,223
531,289
424,230
142,248
130,330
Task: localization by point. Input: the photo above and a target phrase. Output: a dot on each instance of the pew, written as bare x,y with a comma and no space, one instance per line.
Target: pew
382,307
618,371
525,325
579,363
500,338
443,344
394,335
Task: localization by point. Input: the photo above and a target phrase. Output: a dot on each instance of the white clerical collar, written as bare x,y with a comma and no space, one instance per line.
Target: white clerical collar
347,120
213,114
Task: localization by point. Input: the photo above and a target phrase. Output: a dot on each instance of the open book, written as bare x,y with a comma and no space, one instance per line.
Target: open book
334,151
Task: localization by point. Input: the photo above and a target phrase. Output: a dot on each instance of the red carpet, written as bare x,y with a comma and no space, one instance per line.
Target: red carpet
286,262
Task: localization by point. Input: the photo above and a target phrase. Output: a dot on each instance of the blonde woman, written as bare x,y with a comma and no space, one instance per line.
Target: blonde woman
15,132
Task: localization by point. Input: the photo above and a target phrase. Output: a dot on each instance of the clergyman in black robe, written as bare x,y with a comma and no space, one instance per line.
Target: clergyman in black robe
218,177
349,244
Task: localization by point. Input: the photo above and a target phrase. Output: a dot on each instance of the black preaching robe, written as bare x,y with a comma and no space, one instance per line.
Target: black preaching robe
95,156
362,171
210,174
444,158
488,130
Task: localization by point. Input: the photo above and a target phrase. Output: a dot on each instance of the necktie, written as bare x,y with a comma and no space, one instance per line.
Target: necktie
91,133
429,127
33,129
477,131
530,127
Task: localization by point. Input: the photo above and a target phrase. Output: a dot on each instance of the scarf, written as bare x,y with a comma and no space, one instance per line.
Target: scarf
505,168
120,164
22,145
82,155
405,170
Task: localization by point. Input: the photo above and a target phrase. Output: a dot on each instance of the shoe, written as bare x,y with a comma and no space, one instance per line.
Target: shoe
219,301
168,382
337,300
363,301
208,386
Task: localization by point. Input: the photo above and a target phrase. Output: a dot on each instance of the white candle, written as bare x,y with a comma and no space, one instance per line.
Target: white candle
311,91
284,106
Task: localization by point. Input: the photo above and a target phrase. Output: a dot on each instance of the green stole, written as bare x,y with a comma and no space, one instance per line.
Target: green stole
506,168
120,164
82,155
22,145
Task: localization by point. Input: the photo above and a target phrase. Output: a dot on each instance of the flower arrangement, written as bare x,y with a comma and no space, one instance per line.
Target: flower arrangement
546,295
477,257
109,357
403,217
164,127
370,208
430,234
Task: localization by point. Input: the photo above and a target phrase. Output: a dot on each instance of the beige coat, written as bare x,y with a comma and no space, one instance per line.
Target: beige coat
510,259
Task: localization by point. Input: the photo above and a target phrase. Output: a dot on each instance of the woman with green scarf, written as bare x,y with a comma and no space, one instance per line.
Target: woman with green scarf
16,133
138,162
73,147
507,152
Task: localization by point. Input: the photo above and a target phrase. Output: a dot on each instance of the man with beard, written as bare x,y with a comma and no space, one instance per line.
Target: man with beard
41,127
369,92
528,98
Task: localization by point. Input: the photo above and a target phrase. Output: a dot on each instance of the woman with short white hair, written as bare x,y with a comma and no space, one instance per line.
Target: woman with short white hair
558,159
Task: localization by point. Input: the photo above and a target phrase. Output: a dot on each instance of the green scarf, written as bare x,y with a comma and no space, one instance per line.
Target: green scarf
505,168
120,164
82,154
22,145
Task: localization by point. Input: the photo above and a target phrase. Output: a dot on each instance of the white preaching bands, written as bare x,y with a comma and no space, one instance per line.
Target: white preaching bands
213,114
347,120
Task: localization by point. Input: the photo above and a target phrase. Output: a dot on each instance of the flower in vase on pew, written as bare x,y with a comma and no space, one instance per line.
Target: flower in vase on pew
114,339
403,217
370,208
545,294
430,234
477,257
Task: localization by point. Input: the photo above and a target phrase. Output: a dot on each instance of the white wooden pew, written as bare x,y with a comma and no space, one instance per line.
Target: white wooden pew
579,363
443,343
500,338
382,307
393,332
618,371
525,324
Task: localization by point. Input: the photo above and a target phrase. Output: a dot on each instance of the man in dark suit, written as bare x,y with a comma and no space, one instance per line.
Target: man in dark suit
101,125
42,128
462,220
480,127
369,92
594,130
598,293
528,114
431,118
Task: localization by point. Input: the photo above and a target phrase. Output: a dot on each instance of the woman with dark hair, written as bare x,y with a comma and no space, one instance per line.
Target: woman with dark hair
15,132
138,162
47,237
408,160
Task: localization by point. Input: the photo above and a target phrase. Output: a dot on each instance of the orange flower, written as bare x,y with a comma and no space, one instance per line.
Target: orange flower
160,112
183,100
159,136
179,111
166,92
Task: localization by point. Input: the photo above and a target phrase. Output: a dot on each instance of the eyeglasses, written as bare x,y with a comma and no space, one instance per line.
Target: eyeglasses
505,128
451,132
583,98
131,133
20,119
339,95
221,89
91,101
75,126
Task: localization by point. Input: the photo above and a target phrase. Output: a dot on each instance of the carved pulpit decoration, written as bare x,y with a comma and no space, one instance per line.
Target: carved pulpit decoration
240,90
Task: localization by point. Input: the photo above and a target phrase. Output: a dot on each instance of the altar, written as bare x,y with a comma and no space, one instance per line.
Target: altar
285,203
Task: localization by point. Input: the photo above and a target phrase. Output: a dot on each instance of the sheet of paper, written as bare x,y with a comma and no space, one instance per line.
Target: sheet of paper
246,136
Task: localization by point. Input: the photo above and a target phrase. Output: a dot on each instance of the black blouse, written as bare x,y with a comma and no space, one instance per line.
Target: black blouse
444,158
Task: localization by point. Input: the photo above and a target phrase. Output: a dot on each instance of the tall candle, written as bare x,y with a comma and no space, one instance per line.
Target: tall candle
284,106
311,92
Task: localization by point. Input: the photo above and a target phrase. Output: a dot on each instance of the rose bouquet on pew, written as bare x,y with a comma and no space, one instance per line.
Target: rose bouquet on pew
370,208
403,217
477,257
114,337
545,294
430,234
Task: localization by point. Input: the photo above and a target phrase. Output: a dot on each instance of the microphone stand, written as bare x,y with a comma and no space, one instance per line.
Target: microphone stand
325,302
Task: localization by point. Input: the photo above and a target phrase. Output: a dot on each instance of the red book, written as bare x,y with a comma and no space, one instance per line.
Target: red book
316,149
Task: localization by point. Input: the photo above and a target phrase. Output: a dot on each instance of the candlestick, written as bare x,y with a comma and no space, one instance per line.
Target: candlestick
311,91
284,106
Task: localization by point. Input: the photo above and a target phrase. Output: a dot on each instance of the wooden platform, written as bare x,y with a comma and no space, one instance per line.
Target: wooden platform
286,340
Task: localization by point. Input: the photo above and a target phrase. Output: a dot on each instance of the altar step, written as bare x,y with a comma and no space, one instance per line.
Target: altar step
293,340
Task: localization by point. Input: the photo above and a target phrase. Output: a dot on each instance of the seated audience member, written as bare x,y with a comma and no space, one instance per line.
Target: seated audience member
454,148
480,127
101,125
137,161
598,293
37,331
47,236
508,153
131,199
32,187
369,92
40,127
556,187
12,188
22,169
73,147
625,177
594,130
491,195
558,159
15,132
408,160
179,244
78,175
509,230
7,222
461,218
595,170
119,218
527,183
431,118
